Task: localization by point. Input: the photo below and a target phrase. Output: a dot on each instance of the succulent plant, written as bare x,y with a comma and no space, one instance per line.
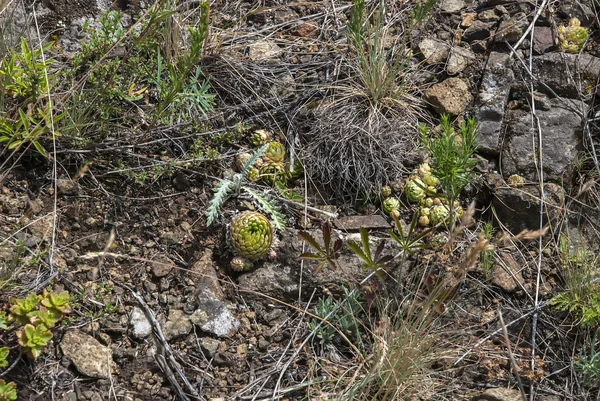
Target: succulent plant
22,308
415,190
57,301
424,221
395,214
275,152
430,180
427,202
439,214
240,264
572,37
386,191
8,391
251,235
390,204
272,172
260,137
33,339
253,174
516,180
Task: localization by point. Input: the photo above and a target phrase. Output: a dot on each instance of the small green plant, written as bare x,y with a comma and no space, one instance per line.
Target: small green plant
239,183
251,235
422,10
572,38
4,352
588,363
324,332
452,159
22,308
3,321
33,339
325,255
29,129
581,297
8,391
374,261
57,301
23,75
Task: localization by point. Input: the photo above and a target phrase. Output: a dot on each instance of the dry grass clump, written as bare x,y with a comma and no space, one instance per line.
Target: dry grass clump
352,149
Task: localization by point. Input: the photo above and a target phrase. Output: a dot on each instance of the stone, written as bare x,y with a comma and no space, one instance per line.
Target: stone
66,186
452,6
140,325
562,134
478,31
91,358
459,59
213,317
209,346
564,73
263,50
519,208
161,266
273,280
493,95
512,29
498,394
543,39
203,272
434,51
355,223
178,325
307,29
450,96
488,15
506,273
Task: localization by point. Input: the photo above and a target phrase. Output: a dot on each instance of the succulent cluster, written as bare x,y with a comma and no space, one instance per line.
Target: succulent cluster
516,180
250,235
572,38
421,184
271,168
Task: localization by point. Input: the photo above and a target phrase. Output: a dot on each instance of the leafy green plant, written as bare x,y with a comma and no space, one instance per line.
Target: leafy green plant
372,260
24,73
324,332
581,297
57,301
3,321
4,352
452,159
8,391
325,255
588,363
421,10
33,339
29,128
239,183
21,308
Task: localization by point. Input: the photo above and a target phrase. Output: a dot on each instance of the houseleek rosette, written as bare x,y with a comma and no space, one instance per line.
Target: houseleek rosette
251,235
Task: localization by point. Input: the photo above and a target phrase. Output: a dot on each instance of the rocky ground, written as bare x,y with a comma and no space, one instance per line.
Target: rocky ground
158,313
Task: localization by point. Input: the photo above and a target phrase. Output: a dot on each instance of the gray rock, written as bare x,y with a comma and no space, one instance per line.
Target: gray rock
578,9
561,128
161,266
459,59
519,208
263,50
66,186
564,73
434,51
450,96
203,272
543,39
89,356
452,6
213,317
493,97
512,29
140,325
178,325
499,394
478,31
209,346
506,273
355,223
272,279
488,15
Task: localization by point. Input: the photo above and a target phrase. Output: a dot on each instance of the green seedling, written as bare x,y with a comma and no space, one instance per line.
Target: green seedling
3,321
33,339
57,301
326,255
4,352
22,308
372,260
8,391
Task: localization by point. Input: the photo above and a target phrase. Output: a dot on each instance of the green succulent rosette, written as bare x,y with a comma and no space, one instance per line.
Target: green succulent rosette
272,172
390,204
251,235
275,152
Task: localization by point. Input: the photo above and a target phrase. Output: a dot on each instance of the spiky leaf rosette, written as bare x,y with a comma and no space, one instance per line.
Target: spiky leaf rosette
251,235
272,172
275,152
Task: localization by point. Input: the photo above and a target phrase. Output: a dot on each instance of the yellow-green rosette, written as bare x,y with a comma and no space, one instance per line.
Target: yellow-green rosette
275,152
251,235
